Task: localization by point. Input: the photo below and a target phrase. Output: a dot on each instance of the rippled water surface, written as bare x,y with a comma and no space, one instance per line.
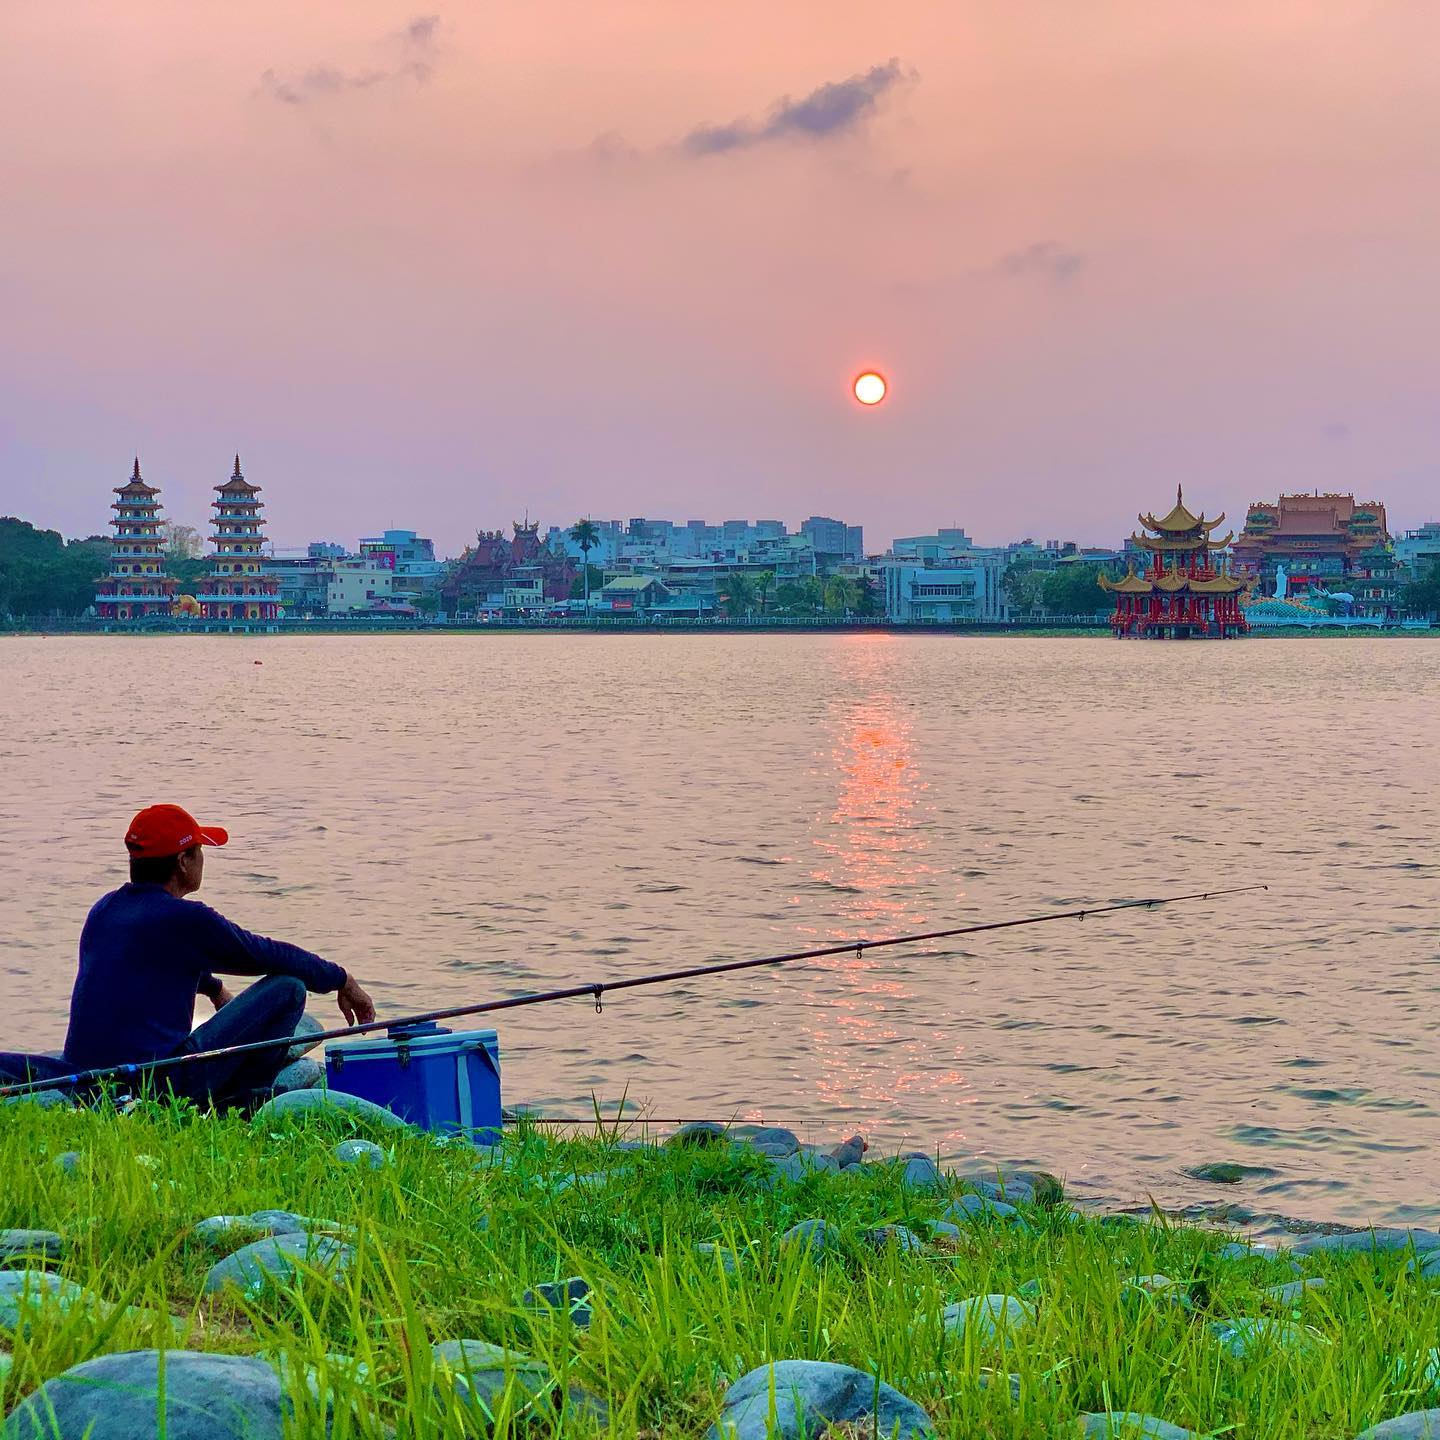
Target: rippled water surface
472,817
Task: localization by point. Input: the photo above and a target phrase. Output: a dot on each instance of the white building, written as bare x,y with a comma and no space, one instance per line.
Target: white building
359,585
968,588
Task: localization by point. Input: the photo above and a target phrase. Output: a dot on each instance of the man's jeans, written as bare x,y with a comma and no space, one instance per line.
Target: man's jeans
269,1010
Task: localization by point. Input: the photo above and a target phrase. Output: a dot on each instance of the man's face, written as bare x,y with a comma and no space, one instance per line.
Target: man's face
191,868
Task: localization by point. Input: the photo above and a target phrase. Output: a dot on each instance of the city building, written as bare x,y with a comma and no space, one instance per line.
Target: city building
1321,547
238,588
944,544
494,565
137,587
1418,551
968,587
1186,592
834,539
302,581
357,584
411,557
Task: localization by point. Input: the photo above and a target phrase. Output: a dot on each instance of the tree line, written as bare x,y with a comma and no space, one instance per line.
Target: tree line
43,574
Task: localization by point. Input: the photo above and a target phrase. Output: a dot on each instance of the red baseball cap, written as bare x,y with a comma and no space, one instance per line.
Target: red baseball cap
161,830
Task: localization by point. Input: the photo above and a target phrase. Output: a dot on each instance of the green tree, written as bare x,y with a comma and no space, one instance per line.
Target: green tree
1073,590
800,597
1024,585
40,574
583,584
737,594
1422,596
764,582
586,534
842,595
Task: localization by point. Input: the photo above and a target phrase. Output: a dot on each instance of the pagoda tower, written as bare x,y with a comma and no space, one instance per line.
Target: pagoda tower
1185,592
236,589
137,587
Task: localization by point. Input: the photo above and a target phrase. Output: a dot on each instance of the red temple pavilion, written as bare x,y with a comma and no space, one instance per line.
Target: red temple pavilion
137,586
1185,591
237,590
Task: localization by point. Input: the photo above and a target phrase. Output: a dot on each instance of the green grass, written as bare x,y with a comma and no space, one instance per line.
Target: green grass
670,1327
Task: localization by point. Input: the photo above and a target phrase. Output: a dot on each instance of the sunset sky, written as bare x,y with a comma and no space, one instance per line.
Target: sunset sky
432,266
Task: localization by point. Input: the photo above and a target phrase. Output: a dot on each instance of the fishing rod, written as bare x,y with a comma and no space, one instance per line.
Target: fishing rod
597,989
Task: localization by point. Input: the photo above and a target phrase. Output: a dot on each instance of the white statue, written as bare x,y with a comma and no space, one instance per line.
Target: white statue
1282,582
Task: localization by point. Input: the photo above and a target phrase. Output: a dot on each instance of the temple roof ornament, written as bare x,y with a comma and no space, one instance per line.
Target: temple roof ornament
1180,521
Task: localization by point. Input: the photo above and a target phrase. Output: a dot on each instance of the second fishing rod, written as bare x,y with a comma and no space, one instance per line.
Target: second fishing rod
598,989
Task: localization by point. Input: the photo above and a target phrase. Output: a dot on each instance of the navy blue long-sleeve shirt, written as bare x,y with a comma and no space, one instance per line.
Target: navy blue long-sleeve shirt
145,955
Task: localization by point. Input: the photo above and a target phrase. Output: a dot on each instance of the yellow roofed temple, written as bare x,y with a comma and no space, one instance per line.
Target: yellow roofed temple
1186,590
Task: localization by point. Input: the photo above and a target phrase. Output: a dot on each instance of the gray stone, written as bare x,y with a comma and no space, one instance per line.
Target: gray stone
816,1236
849,1152
969,1208
774,1140
45,1099
801,1166
1023,1187
218,1230
1228,1172
68,1163
1426,1265
301,1074
278,1261
896,1237
1417,1425
29,1245
1245,1336
728,1260
305,1027
921,1173
363,1153
1154,1290
1377,1241
25,1294
995,1380
810,1396
326,1102
478,1373
1293,1292
943,1230
595,1181
1129,1425
1428,1377
116,1397
586,1404
698,1132
568,1295
988,1318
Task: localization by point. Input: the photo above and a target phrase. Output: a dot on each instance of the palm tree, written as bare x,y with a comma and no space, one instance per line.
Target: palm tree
585,534
763,581
842,595
738,593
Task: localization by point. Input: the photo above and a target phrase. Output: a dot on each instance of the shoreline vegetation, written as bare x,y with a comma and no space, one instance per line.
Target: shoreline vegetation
325,1273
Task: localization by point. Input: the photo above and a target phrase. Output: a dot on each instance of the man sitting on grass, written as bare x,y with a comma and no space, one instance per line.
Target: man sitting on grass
145,953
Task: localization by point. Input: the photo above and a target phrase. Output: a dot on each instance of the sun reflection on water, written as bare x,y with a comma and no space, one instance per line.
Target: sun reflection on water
874,877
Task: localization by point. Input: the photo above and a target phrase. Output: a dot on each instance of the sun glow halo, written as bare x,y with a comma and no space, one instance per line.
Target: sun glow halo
870,387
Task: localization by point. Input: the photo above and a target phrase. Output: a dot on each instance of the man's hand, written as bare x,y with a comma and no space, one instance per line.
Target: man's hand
355,1005
222,996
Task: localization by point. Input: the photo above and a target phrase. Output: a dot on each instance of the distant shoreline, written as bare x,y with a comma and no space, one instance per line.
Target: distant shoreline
1023,629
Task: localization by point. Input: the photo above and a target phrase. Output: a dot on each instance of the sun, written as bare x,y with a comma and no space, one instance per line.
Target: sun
870,387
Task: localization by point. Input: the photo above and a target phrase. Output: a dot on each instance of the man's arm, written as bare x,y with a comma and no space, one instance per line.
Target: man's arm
235,951
229,950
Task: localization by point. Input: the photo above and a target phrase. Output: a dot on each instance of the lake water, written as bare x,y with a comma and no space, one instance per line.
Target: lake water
468,817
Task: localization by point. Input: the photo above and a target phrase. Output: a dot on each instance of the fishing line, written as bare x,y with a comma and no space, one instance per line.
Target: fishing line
597,989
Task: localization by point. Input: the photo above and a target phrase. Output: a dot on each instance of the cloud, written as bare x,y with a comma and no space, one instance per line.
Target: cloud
1336,430
831,110
415,47
1045,260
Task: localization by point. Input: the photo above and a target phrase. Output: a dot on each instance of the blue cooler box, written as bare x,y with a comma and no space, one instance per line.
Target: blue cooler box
441,1080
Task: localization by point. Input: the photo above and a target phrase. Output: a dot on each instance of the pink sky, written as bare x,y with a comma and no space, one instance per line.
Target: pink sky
433,272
